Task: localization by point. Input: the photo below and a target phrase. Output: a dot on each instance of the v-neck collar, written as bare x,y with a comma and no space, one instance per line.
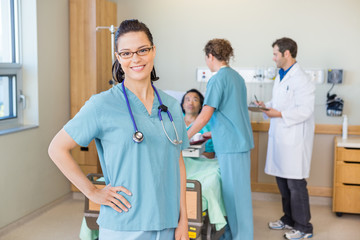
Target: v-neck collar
288,73
134,100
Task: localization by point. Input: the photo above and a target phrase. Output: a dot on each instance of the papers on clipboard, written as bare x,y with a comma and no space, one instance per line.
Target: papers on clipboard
201,140
256,108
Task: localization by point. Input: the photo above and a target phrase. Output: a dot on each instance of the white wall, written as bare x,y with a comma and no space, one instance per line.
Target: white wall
327,33
28,178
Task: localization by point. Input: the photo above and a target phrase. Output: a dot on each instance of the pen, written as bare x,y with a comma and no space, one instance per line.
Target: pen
256,98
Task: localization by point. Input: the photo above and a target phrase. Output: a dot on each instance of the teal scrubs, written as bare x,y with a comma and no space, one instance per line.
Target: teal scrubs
150,169
209,146
232,137
166,234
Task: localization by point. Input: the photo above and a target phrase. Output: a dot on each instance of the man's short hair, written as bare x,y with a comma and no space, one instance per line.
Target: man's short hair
286,44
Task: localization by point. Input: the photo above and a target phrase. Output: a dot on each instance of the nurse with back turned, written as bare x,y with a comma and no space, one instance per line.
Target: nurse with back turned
225,106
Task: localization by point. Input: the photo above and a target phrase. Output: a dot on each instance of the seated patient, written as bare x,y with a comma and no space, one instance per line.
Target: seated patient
206,168
191,105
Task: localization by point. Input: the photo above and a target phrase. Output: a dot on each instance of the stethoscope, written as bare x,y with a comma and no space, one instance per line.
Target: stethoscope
138,136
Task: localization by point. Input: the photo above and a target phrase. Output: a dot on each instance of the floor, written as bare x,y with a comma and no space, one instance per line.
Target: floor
64,219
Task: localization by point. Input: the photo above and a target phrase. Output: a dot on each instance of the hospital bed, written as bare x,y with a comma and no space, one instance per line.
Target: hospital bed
199,221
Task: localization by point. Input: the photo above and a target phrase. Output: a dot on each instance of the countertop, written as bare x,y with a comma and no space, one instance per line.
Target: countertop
353,142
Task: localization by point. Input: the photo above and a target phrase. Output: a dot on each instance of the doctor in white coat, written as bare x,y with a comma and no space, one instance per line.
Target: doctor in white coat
291,134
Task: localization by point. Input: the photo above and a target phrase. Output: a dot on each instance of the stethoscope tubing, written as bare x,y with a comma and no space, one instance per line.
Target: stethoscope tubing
129,108
161,108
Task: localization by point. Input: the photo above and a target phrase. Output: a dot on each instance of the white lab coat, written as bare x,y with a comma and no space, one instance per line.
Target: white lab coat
291,137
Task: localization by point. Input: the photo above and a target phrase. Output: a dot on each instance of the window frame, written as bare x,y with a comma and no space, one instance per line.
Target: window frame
14,68
18,120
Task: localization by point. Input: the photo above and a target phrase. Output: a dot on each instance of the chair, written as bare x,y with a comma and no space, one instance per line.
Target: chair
199,224
194,208
92,209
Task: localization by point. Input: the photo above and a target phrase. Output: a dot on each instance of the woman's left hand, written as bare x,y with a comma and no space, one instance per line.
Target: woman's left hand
181,232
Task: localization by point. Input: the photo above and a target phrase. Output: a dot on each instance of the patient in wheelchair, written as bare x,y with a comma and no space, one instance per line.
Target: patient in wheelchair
206,168
191,105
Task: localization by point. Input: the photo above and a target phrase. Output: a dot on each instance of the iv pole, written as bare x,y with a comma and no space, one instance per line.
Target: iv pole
112,30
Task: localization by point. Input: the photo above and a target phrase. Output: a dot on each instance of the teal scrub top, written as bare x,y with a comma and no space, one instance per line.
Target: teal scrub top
230,124
209,147
150,169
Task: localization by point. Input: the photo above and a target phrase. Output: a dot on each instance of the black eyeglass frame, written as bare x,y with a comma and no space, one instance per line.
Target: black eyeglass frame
138,52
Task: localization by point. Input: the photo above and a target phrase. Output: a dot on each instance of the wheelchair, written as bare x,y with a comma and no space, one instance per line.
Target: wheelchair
200,227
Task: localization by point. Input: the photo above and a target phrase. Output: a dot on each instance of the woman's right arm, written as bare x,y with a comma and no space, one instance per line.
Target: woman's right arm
59,152
201,120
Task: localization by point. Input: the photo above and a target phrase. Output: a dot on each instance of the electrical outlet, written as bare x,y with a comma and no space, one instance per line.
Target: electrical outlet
316,75
203,74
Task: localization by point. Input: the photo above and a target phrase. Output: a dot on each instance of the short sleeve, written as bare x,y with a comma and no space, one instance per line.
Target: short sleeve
214,92
83,128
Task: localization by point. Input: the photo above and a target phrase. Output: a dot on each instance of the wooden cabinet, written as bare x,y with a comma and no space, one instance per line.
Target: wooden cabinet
346,190
90,63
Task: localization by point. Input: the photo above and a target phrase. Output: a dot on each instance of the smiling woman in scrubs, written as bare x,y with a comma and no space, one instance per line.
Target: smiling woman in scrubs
226,107
146,182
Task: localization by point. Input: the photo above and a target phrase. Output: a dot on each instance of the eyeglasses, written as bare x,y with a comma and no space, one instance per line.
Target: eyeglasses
140,52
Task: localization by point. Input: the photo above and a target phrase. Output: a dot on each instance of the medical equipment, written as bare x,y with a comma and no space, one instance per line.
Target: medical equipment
334,105
335,76
112,30
197,146
194,150
138,136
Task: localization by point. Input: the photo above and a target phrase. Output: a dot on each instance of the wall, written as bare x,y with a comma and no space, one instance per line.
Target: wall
327,35
321,172
29,179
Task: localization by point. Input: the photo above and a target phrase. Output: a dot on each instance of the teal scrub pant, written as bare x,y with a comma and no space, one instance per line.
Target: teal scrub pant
236,189
166,234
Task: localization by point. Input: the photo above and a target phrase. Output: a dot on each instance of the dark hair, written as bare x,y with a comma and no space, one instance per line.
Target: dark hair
194,91
220,48
132,25
286,44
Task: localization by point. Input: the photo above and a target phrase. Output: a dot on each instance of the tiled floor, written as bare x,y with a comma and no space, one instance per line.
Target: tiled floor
327,226
63,222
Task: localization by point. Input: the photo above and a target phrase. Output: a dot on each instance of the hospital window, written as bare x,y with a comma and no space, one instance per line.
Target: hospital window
10,67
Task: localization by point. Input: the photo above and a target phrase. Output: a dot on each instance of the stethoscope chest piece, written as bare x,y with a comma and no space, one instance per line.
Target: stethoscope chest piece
138,137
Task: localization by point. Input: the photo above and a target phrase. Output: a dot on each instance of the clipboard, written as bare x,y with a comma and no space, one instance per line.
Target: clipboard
257,108
200,141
